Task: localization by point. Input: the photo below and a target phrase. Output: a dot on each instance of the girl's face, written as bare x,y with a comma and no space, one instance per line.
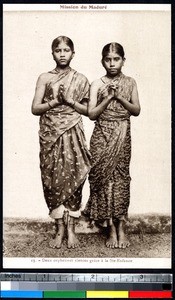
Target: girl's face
113,63
62,54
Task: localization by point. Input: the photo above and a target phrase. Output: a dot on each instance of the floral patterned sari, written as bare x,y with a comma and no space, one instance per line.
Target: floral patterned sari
64,158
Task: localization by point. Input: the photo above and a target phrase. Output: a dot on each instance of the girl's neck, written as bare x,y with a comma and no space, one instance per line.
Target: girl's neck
61,70
113,76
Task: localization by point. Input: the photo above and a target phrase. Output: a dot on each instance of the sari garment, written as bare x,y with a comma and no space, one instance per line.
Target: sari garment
110,147
64,157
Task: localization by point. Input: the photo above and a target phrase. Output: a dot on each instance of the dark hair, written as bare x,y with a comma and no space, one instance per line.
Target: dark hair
64,39
113,47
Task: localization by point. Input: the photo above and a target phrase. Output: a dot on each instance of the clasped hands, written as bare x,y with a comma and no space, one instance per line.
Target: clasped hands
62,96
113,92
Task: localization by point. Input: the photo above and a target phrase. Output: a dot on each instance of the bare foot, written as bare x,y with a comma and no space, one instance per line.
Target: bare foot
112,240
57,241
122,239
112,243
72,239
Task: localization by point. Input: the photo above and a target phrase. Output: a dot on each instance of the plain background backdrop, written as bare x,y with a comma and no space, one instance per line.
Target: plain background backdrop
146,38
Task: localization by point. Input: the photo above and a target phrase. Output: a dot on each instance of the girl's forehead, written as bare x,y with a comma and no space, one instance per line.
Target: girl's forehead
62,45
112,54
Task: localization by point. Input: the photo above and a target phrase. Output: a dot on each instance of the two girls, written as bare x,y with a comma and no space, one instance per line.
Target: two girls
60,99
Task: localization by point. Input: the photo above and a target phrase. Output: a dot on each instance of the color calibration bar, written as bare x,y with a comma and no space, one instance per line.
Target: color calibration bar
60,286
86,294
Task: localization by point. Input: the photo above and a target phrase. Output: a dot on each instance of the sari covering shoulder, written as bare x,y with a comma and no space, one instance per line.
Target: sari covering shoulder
63,117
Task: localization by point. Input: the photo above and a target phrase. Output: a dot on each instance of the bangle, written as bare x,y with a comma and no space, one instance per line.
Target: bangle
50,106
72,104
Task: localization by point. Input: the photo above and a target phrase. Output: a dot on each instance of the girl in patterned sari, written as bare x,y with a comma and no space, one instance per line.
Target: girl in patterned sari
113,99
60,98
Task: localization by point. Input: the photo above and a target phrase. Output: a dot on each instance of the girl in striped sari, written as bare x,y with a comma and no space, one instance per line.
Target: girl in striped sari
113,99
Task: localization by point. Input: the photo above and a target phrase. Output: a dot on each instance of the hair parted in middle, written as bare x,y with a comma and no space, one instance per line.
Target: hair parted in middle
113,47
64,39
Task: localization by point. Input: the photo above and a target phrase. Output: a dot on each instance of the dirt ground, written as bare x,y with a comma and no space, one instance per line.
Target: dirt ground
32,240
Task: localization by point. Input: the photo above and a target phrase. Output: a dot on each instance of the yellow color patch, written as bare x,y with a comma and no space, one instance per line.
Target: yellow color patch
107,294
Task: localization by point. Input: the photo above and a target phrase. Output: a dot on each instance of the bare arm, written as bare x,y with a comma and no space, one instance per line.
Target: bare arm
95,110
38,107
81,108
133,106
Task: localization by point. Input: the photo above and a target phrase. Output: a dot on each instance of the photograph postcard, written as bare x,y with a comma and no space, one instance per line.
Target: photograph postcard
87,136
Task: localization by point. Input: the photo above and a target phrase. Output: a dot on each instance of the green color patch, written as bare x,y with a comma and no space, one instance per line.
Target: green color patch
64,294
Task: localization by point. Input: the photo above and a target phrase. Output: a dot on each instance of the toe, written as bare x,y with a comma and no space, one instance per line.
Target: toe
116,245
51,245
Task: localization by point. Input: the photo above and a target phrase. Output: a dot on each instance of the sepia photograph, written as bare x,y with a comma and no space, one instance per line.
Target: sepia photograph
87,136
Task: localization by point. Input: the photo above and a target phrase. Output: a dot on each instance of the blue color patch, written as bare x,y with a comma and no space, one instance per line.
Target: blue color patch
21,294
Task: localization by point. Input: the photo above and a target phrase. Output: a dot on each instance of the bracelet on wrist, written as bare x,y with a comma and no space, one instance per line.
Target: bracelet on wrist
72,104
50,106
